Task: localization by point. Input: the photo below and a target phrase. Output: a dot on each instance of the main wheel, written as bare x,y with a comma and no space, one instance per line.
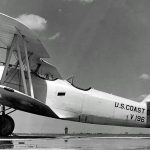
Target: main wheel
6,125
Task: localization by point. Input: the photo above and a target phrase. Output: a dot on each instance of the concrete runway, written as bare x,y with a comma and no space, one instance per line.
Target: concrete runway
34,142
75,143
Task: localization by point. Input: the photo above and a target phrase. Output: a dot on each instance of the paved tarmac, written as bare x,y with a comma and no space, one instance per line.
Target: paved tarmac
76,143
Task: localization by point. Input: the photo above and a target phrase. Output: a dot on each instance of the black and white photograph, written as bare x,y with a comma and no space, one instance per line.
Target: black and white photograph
75,74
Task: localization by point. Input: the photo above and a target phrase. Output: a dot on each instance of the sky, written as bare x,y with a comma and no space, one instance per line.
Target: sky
102,43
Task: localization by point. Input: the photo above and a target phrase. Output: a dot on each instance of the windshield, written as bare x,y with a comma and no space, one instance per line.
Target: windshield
46,71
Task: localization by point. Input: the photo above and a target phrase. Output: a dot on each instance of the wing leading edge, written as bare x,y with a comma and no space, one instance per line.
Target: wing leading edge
10,26
19,101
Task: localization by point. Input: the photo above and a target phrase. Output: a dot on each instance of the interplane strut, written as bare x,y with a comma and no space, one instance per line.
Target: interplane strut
15,45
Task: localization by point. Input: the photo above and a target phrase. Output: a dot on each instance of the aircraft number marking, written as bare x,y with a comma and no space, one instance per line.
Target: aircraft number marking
136,118
129,107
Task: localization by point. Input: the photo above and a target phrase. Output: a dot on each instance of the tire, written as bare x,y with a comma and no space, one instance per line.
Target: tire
7,125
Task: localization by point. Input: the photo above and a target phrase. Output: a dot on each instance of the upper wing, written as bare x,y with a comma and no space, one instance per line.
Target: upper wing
20,101
10,26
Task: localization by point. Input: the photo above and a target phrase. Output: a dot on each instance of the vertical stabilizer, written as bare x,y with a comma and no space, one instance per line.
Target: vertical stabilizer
147,99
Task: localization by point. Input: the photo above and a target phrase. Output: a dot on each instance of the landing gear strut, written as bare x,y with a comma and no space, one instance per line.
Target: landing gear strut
6,125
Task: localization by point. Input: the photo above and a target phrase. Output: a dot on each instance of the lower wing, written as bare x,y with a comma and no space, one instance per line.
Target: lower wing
20,101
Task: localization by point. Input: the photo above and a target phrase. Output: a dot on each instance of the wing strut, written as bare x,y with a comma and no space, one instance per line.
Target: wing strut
21,67
16,44
28,68
27,62
9,54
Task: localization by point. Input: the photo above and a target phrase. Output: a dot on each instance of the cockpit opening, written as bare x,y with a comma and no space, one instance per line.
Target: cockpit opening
46,71
71,81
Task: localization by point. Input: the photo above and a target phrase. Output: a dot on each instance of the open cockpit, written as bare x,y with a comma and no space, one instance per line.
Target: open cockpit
70,80
45,70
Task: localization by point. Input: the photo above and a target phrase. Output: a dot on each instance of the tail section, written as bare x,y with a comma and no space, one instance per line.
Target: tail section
147,99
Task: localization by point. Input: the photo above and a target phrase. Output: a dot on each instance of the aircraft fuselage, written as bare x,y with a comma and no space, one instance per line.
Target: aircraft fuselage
92,106
89,106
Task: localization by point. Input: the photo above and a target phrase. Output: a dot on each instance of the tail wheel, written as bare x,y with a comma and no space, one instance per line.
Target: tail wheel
6,125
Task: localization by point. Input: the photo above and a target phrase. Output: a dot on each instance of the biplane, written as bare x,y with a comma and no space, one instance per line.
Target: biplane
31,84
